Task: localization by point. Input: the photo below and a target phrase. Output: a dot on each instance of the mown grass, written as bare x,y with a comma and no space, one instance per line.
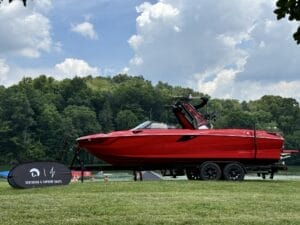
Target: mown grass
156,202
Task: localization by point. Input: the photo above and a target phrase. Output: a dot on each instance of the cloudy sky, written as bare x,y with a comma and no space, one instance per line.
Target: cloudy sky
227,49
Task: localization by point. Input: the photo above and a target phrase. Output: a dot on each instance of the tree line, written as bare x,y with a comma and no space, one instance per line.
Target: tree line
41,118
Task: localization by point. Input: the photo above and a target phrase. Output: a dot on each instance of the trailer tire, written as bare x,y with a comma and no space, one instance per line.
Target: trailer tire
234,172
210,171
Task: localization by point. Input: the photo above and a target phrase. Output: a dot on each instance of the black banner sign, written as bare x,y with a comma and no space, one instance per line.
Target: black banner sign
39,174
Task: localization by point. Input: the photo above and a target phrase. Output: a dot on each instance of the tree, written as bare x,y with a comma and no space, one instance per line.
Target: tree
76,92
80,120
284,111
50,130
106,118
126,119
17,124
291,8
5,134
237,119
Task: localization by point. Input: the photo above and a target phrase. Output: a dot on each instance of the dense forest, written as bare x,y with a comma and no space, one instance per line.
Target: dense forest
41,118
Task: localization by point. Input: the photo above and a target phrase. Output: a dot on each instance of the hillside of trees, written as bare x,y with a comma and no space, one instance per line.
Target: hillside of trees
41,118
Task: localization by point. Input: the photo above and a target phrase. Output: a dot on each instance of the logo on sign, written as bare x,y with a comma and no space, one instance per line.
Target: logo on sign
34,172
52,172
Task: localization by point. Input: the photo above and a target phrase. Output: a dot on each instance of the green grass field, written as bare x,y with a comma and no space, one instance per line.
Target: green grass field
155,202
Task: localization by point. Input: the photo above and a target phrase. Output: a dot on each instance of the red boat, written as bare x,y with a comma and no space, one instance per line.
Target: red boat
193,149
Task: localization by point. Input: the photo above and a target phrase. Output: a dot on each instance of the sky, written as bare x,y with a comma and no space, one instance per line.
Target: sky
226,49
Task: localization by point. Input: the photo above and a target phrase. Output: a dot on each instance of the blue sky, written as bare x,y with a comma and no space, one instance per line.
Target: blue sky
227,49
114,22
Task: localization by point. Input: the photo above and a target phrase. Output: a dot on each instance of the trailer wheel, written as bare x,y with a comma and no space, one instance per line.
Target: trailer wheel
234,172
210,171
192,174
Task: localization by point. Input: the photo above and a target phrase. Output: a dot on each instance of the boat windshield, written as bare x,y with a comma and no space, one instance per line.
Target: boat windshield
153,125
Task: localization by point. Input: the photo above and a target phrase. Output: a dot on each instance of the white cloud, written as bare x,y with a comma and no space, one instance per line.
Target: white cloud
149,12
71,67
86,29
125,70
226,49
135,41
254,90
220,85
224,85
136,60
25,31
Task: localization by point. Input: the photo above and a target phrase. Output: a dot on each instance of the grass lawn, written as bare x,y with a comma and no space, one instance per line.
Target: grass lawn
155,202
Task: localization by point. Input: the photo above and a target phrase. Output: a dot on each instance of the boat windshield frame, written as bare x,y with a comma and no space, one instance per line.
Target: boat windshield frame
157,125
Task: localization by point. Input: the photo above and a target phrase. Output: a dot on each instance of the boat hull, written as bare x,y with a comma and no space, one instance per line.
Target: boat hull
182,146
